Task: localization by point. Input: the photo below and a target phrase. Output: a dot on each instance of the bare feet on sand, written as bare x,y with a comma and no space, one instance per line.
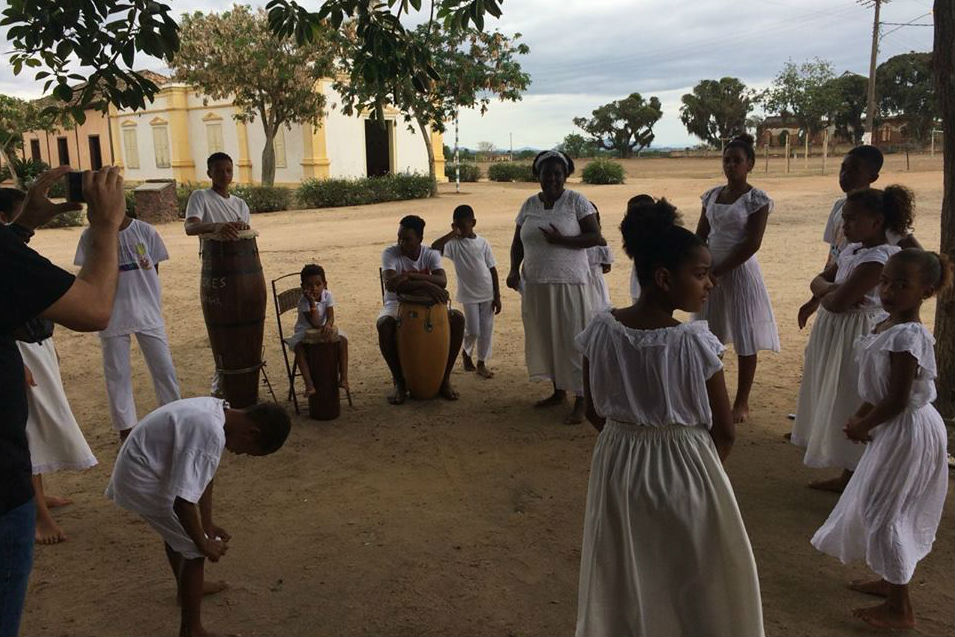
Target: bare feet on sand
209,588
835,485
447,391
309,391
740,412
400,394
468,363
877,587
48,531
53,501
886,616
483,371
576,416
557,398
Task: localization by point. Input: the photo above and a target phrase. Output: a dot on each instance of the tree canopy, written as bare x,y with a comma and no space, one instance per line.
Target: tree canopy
270,78
850,97
804,92
905,86
576,145
624,126
716,110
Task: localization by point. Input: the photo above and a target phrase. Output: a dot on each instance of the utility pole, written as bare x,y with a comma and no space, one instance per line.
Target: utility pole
457,157
870,107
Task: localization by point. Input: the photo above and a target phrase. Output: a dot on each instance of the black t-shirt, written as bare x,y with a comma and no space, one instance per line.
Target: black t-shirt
28,285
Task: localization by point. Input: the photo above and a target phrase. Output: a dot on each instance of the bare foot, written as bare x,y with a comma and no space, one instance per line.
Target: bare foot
483,371
576,416
400,394
309,390
740,412
53,501
835,485
557,398
447,391
344,384
209,588
48,531
882,616
877,587
468,363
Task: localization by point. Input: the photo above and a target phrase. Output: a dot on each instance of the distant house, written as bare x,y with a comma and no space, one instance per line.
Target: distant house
889,132
172,137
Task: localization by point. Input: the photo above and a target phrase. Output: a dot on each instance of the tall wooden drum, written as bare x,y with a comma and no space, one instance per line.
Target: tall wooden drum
232,291
424,341
321,355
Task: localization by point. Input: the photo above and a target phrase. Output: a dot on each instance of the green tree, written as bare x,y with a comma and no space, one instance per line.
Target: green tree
16,118
850,97
906,88
97,41
716,110
624,126
470,68
804,92
576,145
270,78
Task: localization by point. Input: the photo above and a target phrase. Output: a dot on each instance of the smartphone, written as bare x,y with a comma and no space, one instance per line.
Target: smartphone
74,186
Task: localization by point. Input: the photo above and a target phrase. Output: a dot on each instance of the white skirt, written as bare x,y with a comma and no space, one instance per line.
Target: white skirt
600,299
890,511
665,552
739,312
53,434
829,392
554,314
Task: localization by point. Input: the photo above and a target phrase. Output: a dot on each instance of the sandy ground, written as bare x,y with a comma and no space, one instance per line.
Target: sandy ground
446,518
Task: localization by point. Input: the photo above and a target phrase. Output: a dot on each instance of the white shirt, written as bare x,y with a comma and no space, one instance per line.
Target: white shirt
651,377
854,255
138,301
473,260
834,236
172,453
428,262
211,207
305,310
545,262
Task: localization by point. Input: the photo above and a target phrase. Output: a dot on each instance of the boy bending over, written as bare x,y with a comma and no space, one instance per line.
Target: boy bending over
164,473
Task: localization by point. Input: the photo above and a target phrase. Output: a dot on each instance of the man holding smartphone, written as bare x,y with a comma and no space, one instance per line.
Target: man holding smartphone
31,286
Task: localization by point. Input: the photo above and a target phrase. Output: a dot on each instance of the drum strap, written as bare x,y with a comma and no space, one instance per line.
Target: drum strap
245,370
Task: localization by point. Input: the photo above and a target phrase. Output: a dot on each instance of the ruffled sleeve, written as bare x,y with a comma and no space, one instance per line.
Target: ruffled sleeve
709,349
756,199
586,339
914,339
525,208
710,195
582,206
878,254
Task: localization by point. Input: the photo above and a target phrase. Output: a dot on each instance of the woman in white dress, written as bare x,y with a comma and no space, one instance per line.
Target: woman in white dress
665,551
848,294
549,256
890,511
55,439
738,310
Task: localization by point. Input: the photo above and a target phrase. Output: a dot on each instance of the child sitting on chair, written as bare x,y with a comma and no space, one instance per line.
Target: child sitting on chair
316,310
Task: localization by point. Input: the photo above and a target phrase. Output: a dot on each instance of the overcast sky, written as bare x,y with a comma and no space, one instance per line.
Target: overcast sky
585,53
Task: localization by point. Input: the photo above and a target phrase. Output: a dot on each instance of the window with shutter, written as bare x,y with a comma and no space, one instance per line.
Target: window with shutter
161,145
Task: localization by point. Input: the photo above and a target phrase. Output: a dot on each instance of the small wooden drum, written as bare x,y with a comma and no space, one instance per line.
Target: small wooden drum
321,355
232,292
424,341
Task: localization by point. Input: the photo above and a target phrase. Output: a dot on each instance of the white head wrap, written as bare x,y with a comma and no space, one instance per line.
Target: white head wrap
551,154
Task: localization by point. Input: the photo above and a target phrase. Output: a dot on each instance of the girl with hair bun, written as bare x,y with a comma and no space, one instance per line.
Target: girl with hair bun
848,293
733,222
891,508
665,551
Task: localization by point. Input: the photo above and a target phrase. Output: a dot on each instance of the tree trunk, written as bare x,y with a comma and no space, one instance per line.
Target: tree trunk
268,158
426,135
17,181
944,62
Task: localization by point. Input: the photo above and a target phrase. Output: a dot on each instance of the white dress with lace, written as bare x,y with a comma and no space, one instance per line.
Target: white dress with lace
890,511
665,551
738,308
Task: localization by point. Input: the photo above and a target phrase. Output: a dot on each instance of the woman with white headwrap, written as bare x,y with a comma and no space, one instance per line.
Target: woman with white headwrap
554,229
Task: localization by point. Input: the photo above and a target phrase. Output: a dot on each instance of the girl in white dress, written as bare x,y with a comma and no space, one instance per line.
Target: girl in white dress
600,260
890,510
848,293
738,310
664,548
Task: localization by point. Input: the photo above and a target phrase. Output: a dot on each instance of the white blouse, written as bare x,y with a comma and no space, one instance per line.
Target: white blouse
872,353
728,220
854,255
545,262
651,377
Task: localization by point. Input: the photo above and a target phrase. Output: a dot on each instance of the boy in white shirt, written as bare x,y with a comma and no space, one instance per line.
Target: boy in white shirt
137,309
164,473
478,288
214,210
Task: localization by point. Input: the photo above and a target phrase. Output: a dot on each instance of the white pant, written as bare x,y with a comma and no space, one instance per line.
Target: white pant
479,329
119,377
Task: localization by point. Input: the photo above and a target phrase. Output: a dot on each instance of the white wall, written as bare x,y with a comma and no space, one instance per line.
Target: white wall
198,138
294,153
144,140
412,156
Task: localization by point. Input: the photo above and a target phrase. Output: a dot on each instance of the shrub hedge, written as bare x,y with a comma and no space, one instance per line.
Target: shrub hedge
264,198
329,193
469,172
70,219
510,171
602,171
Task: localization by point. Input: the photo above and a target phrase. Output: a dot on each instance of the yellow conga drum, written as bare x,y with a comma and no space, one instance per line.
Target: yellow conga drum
424,340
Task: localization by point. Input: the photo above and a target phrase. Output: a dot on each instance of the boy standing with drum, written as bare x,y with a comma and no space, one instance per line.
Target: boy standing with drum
413,269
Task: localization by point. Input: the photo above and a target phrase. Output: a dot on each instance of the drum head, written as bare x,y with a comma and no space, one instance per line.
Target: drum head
243,234
313,335
417,299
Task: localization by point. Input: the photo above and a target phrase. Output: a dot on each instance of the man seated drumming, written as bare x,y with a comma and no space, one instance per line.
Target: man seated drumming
413,269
